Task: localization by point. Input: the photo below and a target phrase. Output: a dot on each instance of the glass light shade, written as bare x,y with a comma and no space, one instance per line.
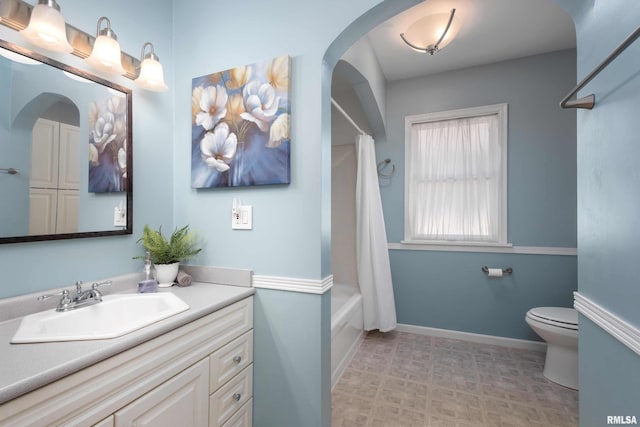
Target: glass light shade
75,77
151,76
47,29
105,55
426,32
16,57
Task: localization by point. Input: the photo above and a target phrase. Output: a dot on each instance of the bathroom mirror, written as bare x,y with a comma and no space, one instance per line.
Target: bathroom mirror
65,151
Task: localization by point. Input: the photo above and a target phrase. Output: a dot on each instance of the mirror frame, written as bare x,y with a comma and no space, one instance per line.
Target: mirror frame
129,178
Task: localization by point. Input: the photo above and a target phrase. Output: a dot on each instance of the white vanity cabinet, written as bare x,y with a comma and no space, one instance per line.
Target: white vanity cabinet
199,374
181,401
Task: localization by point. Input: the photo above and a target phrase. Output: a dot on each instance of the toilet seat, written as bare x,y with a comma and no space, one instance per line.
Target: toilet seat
560,317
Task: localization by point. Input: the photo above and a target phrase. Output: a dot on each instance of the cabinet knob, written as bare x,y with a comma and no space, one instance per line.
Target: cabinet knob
237,397
237,359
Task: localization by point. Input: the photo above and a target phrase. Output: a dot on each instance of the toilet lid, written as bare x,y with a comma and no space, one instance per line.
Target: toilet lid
560,316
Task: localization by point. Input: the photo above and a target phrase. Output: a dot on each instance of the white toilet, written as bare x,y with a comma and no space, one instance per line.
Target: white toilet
558,326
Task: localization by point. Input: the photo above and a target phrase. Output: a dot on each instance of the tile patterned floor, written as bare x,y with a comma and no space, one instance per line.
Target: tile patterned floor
398,379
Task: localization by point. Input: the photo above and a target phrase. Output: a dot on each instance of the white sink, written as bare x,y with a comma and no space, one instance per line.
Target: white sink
116,315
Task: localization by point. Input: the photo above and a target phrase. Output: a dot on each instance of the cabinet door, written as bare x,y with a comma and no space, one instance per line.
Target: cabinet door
181,401
43,204
67,211
69,159
45,143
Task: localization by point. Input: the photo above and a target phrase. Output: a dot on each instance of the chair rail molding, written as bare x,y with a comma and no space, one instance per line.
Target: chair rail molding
290,284
618,328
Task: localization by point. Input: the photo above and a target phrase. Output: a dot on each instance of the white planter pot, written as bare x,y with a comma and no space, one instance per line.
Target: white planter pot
166,274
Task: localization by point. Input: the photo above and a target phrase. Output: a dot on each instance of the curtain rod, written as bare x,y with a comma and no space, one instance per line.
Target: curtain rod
344,113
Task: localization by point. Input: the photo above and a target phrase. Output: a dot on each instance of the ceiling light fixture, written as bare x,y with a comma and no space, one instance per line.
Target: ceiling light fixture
151,76
47,28
433,32
106,54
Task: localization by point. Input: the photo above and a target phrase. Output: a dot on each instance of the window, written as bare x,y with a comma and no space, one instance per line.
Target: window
455,176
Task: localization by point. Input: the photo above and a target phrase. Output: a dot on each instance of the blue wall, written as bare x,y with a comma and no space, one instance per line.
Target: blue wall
447,289
291,224
608,206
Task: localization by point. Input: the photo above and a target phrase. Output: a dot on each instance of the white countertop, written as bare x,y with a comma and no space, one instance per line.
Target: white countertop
26,367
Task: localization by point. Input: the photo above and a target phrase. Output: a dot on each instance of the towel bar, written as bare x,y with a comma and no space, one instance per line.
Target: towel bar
589,101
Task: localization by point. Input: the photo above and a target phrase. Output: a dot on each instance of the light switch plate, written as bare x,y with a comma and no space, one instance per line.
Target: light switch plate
243,219
119,217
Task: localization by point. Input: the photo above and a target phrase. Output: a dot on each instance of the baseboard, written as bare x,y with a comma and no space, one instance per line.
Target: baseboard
478,338
337,372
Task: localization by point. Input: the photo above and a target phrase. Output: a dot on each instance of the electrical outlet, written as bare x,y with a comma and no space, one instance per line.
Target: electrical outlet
242,218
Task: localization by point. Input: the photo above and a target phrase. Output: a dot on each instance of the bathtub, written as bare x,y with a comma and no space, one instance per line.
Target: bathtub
346,327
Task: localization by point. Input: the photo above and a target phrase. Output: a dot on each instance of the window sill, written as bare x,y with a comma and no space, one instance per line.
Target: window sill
455,244
412,245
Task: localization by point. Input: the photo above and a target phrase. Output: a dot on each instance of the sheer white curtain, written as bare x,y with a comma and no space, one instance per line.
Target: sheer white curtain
373,267
454,170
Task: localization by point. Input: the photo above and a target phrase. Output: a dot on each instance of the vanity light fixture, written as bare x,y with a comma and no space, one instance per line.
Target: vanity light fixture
47,28
151,76
106,55
16,57
431,33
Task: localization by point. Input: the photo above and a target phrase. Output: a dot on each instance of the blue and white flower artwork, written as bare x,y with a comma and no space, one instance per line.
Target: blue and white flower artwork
108,145
240,133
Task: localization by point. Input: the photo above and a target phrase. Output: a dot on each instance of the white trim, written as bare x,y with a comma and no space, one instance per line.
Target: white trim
525,250
308,286
500,110
478,338
618,328
342,365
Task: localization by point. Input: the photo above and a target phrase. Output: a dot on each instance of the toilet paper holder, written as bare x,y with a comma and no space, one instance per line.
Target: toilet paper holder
507,270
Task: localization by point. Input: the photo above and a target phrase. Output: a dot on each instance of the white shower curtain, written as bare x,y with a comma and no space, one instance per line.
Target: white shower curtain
374,270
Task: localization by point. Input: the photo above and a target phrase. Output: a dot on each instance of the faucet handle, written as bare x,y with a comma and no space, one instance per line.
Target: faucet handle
63,305
94,288
78,287
64,293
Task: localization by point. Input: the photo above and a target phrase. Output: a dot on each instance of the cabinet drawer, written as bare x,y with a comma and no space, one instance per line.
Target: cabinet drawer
230,397
242,418
107,422
230,359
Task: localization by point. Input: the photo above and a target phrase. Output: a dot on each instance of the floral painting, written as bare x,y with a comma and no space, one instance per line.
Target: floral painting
108,145
240,126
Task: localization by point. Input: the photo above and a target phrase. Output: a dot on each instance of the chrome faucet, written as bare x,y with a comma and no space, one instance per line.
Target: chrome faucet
81,298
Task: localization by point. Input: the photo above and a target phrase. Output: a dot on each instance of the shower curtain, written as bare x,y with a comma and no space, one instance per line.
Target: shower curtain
374,270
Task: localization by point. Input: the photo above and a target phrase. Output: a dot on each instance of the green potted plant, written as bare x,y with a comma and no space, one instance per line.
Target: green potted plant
166,255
